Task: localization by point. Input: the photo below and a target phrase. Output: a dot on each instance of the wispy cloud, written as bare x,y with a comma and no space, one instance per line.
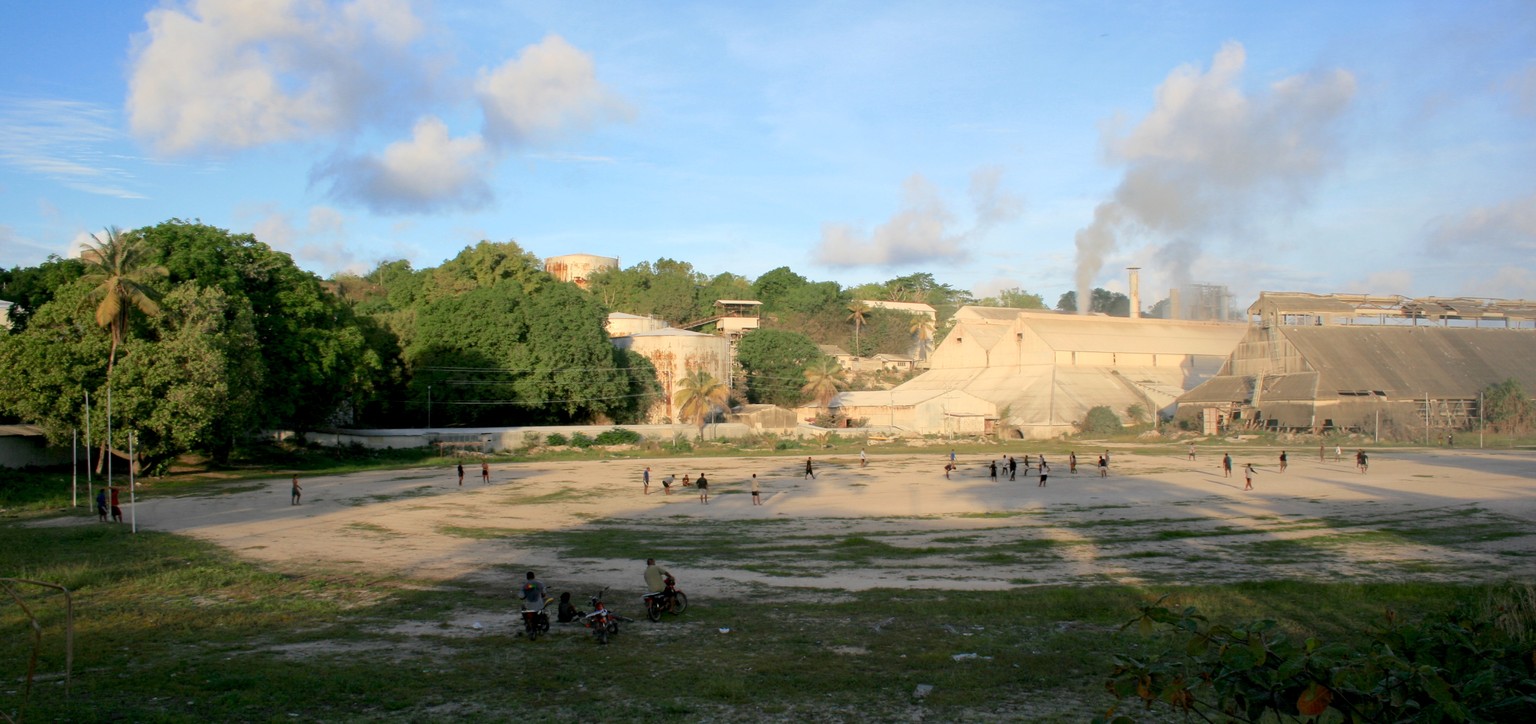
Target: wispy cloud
63,141
923,229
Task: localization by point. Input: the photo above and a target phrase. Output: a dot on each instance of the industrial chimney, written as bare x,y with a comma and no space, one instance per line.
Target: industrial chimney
1135,291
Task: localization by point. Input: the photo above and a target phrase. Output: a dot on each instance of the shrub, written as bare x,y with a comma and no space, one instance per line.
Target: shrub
555,439
1101,421
581,440
617,436
1471,664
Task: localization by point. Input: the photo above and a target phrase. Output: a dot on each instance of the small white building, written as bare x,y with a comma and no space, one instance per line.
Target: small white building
5,313
918,412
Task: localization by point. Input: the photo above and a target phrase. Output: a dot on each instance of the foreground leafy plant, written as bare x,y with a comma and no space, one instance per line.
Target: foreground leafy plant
1472,664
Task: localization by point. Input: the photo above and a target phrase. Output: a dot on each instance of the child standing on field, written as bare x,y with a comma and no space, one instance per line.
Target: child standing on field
297,492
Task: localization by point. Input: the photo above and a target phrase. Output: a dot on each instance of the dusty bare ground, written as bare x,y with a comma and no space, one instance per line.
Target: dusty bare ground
1440,515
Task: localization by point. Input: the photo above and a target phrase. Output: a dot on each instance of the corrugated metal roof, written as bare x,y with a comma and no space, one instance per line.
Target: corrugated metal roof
1131,336
1413,361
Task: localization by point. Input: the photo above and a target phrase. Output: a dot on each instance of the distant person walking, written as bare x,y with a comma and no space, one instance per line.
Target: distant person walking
485,473
1248,476
993,466
117,511
1320,457
703,486
1103,466
863,459
1226,465
101,504
1282,461
645,480
1191,451
1362,461
1045,471
461,475
1013,468
1072,462
1338,454
951,456
757,491
810,472
298,492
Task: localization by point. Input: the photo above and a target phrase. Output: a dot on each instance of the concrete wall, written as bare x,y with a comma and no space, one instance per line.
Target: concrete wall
18,451
501,439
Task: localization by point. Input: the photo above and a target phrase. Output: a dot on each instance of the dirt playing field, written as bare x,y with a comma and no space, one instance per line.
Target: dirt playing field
1442,515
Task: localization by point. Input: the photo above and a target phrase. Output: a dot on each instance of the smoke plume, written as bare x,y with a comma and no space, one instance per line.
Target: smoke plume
922,230
1207,156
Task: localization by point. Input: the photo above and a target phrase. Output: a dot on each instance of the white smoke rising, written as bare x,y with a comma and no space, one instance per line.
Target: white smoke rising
921,231
1208,155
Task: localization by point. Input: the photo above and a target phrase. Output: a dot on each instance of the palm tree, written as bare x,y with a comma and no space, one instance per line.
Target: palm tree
698,394
856,312
823,378
117,267
922,329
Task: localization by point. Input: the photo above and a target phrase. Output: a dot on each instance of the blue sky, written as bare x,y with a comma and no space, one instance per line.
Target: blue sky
1363,147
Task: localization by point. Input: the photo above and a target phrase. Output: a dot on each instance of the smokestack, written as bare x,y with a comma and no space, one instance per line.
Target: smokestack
1174,311
1135,291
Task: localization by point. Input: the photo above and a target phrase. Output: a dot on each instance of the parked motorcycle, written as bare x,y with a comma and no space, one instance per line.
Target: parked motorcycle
536,622
604,623
668,599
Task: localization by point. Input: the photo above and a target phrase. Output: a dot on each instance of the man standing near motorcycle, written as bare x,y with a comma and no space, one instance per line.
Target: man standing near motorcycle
533,600
655,576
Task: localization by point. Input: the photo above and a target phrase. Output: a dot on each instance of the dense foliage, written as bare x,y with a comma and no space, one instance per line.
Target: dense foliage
205,336
1474,663
775,362
1101,420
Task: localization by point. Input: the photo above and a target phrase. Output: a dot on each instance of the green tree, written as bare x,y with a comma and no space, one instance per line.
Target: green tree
1101,420
1507,407
500,355
318,360
773,286
823,379
1014,298
774,361
1101,301
699,394
29,288
485,264
197,384
49,365
121,274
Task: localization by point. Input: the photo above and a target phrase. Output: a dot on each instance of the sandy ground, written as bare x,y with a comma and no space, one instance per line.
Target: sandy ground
1441,515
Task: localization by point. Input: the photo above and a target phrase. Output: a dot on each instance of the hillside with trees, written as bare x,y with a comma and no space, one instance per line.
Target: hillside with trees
205,336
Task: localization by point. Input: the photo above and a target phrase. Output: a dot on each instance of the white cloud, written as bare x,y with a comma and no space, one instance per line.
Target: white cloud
922,230
319,243
550,89
429,172
1510,226
234,74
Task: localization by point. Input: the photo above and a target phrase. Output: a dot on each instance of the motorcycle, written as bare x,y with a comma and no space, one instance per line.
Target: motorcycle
604,623
536,622
668,599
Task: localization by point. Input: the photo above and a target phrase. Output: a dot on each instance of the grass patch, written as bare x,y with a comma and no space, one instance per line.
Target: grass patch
173,629
473,533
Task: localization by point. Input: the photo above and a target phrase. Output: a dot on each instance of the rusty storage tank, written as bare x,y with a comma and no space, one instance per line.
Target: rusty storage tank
576,268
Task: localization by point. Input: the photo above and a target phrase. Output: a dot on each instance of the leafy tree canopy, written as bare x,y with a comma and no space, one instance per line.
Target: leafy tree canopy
1102,301
774,361
1014,298
29,288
